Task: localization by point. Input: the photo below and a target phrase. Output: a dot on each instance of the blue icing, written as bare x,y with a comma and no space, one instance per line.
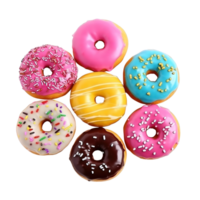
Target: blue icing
168,78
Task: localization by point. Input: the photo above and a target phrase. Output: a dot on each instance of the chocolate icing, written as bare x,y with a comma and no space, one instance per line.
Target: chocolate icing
90,141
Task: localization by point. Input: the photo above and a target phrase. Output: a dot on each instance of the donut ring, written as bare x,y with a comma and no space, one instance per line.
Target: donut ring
115,45
140,88
167,132
61,64
83,99
37,141
109,166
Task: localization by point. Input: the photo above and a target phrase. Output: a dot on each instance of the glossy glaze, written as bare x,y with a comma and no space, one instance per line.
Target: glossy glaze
29,127
91,85
140,86
167,132
62,66
85,38
90,141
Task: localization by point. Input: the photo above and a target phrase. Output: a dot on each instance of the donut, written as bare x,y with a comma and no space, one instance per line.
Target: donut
98,139
140,88
88,34
61,64
31,134
83,99
154,117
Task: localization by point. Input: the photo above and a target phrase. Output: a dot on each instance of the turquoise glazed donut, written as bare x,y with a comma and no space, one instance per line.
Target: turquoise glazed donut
140,88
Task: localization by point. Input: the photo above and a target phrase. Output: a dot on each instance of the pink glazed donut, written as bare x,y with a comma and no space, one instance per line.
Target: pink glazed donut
151,117
115,45
61,64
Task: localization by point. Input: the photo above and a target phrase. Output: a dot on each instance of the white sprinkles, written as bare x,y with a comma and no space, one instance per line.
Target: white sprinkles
166,130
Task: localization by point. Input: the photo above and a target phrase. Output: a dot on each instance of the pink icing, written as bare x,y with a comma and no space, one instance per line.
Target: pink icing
157,118
85,38
59,61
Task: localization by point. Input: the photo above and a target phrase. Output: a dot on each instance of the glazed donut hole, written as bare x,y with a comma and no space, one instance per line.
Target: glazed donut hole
152,133
99,99
45,125
47,71
97,155
99,44
152,75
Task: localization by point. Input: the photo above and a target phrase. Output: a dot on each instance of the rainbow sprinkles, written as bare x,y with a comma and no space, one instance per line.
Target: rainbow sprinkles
29,127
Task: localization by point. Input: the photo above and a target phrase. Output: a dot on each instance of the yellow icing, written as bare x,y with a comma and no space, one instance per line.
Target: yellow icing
85,91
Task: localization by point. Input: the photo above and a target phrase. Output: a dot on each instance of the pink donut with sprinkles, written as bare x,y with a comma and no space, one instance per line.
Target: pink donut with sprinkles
58,61
154,117
115,45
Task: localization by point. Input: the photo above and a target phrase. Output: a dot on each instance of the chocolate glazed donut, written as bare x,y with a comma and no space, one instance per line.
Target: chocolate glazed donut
114,154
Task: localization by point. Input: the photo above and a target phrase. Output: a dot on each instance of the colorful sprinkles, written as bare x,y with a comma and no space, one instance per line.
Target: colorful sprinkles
29,131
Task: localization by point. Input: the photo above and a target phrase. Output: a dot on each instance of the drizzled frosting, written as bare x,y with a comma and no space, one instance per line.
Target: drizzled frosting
140,86
31,135
59,61
158,118
85,38
97,139
85,91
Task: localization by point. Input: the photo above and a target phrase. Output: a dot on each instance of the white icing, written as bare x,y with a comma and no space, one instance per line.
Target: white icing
25,139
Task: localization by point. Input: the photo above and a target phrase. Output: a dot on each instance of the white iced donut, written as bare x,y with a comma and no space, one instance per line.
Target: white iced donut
37,141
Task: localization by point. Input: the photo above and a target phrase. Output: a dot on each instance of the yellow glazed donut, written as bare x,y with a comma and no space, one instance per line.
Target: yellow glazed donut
83,99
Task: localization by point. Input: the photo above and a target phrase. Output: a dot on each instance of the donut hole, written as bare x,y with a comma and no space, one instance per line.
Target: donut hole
46,126
99,99
47,71
152,75
151,132
99,45
97,155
